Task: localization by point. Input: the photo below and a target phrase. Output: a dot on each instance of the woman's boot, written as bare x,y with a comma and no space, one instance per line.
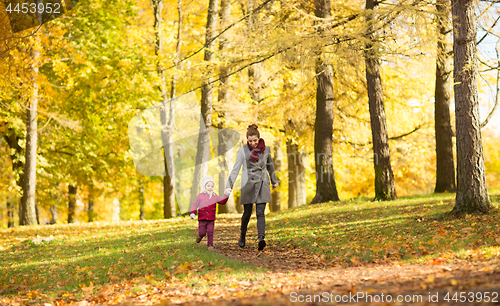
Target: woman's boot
262,244
241,242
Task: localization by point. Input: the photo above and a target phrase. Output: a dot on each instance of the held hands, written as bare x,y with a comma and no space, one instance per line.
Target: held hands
229,190
192,216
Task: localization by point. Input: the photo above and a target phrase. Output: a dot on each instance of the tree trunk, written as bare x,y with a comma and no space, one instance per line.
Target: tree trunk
326,188
301,178
472,194
445,168
53,213
170,210
37,214
16,153
226,160
71,203
10,213
168,184
385,187
203,150
141,201
276,193
177,182
254,82
239,207
28,201
116,210
291,153
254,71
90,209
296,175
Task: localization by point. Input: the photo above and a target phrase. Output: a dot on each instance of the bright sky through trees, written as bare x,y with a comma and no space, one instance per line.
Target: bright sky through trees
487,53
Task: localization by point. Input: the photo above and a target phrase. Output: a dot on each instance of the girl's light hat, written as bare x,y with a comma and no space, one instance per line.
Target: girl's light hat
205,180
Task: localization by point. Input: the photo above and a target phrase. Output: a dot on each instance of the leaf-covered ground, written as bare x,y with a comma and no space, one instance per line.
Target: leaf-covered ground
327,251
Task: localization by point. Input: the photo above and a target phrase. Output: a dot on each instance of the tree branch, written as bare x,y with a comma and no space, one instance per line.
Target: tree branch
390,138
222,32
489,30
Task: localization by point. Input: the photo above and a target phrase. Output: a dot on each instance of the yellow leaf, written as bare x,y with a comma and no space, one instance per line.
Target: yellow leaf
430,279
453,282
32,294
240,294
353,291
183,268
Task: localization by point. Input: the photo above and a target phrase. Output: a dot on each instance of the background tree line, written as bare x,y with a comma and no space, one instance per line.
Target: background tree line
352,96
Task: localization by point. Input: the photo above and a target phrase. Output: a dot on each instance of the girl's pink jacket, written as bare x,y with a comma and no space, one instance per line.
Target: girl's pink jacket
206,206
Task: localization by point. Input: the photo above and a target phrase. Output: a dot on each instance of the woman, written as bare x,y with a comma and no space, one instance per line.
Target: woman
255,157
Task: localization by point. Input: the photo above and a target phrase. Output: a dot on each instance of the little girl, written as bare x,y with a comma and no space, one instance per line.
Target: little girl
206,204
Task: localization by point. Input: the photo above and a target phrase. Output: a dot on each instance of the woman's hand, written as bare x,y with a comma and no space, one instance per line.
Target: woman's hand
275,185
227,191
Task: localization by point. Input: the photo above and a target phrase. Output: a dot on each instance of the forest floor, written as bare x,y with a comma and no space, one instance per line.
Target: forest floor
350,252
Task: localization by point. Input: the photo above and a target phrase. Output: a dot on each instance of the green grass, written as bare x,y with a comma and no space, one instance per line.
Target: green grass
84,258
92,255
408,229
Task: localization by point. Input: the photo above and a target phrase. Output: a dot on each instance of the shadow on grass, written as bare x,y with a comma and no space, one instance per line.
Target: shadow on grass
157,254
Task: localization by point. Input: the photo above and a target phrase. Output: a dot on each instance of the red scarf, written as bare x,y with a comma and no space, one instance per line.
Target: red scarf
261,147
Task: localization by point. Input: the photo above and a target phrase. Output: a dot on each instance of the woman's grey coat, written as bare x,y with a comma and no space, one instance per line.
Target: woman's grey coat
255,186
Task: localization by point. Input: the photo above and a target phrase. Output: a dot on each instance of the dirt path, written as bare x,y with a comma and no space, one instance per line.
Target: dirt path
276,256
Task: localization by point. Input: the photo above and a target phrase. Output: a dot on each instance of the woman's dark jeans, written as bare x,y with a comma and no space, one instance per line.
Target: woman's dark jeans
261,219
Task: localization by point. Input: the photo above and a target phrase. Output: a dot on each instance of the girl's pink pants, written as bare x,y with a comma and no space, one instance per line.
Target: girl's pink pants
207,227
